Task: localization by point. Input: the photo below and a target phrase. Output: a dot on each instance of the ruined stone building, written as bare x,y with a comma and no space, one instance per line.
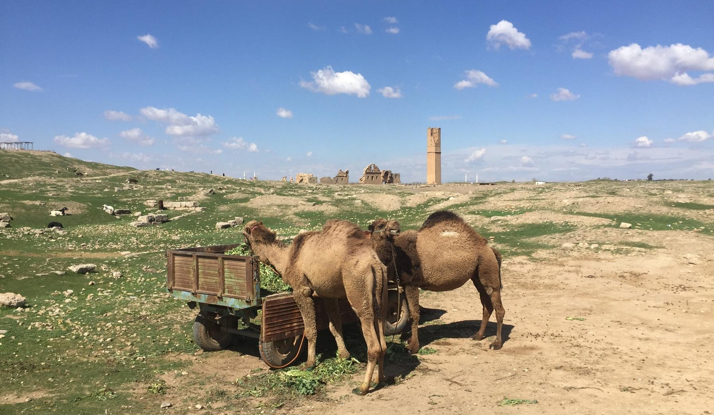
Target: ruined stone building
343,177
305,178
433,156
372,175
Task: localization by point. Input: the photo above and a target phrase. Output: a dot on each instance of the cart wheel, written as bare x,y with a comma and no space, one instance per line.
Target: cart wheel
208,335
281,353
392,326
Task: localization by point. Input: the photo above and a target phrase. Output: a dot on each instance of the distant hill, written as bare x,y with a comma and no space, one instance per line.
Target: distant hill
17,164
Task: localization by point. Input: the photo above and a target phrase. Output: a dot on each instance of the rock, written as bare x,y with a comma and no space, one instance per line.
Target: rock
58,272
68,293
161,218
593,246
180,205
151,203
239,220
233,223
567,246
198,406
116,274
5,217
83,268
145,218
12,300
166,405
223,225
4,224
209,192
583,244
137,213
497,218
692,259
668,192
140,224
625,225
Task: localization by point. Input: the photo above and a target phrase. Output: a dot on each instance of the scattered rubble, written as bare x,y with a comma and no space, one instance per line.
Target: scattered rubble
230,224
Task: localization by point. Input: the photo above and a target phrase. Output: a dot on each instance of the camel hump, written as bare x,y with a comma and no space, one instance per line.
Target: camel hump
440,217
344,228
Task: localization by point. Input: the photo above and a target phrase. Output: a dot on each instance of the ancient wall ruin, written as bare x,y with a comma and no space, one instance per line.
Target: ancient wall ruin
373,175
305,178
433,156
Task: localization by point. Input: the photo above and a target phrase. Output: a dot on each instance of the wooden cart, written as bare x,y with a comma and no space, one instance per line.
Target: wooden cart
226,291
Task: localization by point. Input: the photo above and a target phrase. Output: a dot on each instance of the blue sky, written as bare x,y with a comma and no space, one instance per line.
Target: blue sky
551,90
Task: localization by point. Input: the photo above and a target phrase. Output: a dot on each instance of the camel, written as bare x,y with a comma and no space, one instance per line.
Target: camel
333,263
442,255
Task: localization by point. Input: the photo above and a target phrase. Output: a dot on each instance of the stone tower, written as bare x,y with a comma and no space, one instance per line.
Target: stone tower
433,156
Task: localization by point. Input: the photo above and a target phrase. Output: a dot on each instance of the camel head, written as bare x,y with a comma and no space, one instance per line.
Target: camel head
383,229
257,234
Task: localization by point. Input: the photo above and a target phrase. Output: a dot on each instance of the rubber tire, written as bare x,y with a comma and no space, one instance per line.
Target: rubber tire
391,329
208,334
280,353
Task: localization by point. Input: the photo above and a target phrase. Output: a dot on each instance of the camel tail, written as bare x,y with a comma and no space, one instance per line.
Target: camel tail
499,259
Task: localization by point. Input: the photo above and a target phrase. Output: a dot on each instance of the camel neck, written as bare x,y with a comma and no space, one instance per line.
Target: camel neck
275,254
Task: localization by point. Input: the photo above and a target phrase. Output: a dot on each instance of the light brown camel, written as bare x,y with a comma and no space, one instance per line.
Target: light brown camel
442,255
333,263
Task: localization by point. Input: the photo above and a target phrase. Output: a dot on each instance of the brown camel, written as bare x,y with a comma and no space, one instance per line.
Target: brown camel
442,255
333,263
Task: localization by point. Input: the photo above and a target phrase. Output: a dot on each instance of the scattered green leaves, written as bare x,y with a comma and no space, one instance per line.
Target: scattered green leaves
514,402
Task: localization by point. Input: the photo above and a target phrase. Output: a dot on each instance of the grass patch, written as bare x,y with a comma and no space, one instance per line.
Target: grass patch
643,245
426,351
520,239
690,205
514,402
653,222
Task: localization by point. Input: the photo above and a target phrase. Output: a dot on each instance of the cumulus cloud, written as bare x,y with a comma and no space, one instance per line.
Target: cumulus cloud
503,33
574,35
669,63
392,30
284,113
473,78
444,117
581,54
503,142
696,137
237,143
391,20
564,94
180,124
476,155
309,154
7,137
316,27
68,154
389,92
137,136
527,161
149,40
643,142
669,140
567,137
363,29
116,116
329,82
27,86
81,140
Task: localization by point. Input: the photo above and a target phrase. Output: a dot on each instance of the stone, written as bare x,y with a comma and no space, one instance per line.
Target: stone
593,246
180,205
151,203
497,218
4,224
239,220
625,225
12,300
5,217
161,218
198,406
166,405
223,225
567,246
83,268
116,274
138,224
209,192
58,272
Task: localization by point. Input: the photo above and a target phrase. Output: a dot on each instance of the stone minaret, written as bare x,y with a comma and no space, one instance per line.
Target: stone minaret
433,156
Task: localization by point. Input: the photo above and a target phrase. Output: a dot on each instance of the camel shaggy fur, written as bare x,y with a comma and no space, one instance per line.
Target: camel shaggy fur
442,255
336,262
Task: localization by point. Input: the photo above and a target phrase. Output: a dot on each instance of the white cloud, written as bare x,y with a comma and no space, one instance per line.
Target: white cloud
391,20
581,54
527,161
284,113
444,117
534,95
138,157
574,35
643,142
669,63
473,78
149,40
27,86
237,143
696,137
476,155
392,30
7,137
504,33
81,140
329,82
363,29
316,27
567,137
68,154
137,136
564,94
389,92
669,140
180,124
309,154
342,29
116,116
503,142
288,159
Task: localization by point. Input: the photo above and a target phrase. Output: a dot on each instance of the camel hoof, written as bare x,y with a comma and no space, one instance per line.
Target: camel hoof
345,355
364,388
477,336
495,346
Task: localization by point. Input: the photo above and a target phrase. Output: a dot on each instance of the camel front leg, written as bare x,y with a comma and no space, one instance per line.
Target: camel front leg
332,307
303,298
412,295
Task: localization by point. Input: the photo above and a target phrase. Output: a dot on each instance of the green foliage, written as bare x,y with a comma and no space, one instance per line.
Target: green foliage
426,351
158,388
575,318
690,205
269,279
514,402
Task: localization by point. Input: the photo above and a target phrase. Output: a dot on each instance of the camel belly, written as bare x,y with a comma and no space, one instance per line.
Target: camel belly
443,282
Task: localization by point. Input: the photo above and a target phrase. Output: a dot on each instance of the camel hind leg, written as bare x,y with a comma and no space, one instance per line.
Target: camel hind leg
303,298
488,283
332,307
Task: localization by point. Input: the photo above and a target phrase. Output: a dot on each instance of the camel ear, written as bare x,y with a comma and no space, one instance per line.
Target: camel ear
371,227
